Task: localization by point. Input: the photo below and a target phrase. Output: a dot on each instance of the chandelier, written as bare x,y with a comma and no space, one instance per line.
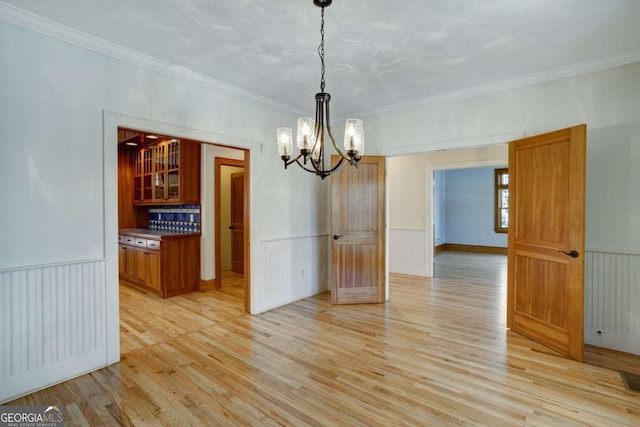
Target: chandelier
311,133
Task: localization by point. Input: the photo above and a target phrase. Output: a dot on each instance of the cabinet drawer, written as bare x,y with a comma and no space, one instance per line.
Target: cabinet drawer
128,240
120,238
141,243
153,244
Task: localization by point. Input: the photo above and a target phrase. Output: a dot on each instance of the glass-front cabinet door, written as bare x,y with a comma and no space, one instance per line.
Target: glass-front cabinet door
160,171
137,176
156,171
173,169
147,171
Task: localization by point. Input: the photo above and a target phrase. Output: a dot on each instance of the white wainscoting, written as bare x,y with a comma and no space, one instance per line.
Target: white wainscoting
407,251
295,268
612,300
52,325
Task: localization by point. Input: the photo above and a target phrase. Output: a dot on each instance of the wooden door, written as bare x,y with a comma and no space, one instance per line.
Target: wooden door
237,222
545,293
358,224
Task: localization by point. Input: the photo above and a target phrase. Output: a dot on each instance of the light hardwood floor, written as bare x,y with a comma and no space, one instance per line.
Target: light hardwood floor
436,354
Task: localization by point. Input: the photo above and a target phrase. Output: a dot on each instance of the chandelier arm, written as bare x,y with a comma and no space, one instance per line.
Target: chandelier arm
314,170
335,146
333,141
338,165
292,161
319,135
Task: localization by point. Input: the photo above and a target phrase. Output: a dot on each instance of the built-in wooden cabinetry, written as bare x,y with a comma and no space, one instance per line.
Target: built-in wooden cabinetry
166,264
157,170
167,172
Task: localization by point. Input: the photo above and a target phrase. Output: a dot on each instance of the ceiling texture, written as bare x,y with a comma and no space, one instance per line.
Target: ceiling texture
380,54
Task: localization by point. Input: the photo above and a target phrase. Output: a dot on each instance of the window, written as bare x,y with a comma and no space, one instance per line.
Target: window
502,201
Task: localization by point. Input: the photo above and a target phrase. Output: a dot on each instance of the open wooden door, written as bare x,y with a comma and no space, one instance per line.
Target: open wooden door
545,291
358,225
237,222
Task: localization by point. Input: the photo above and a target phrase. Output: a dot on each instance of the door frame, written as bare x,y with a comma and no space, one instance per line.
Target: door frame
111,120
219,162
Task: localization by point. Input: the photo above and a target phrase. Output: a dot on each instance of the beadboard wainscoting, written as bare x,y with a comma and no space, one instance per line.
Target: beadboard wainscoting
407,251
53,319
612,300
296,268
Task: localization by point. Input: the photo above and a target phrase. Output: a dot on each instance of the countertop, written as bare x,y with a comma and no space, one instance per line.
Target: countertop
149,233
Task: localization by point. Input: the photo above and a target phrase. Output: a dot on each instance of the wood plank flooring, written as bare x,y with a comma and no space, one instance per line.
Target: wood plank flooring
436,354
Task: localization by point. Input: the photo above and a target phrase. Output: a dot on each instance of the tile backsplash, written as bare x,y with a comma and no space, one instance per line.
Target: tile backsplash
176,218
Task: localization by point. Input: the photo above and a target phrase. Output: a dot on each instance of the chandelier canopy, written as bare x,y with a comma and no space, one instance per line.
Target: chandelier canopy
310,137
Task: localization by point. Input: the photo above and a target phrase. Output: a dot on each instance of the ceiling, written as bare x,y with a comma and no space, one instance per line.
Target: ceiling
380,54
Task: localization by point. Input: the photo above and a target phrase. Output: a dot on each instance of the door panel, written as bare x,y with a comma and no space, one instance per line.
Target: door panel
237,222
358,225
546,216
130,262
141,265
154,276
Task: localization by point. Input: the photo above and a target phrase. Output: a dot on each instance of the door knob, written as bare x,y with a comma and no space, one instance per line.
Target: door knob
572,254
336,237
231,227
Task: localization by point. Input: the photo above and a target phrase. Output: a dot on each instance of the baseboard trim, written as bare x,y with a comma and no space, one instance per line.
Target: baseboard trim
208,285
439,248
471,248
612,359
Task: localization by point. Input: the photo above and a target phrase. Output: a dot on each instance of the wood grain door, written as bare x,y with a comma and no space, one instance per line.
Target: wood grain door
237,222
358,226
545,292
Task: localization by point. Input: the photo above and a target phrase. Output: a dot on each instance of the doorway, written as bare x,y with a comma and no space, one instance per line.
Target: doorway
454,160
230,198
464,212
211,140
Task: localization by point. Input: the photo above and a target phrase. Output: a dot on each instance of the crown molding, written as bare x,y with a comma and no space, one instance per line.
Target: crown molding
594,65
86,41
61,32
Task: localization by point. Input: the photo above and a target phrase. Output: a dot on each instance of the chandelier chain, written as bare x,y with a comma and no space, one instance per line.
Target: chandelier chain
321,51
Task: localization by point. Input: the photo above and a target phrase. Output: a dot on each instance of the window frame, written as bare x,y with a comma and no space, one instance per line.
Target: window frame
499,186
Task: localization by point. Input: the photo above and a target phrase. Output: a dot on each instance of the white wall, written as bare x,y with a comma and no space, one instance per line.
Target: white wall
613,187
61,105
600,99
607,101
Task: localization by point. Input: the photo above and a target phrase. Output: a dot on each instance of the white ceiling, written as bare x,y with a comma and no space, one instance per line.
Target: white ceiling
379,53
